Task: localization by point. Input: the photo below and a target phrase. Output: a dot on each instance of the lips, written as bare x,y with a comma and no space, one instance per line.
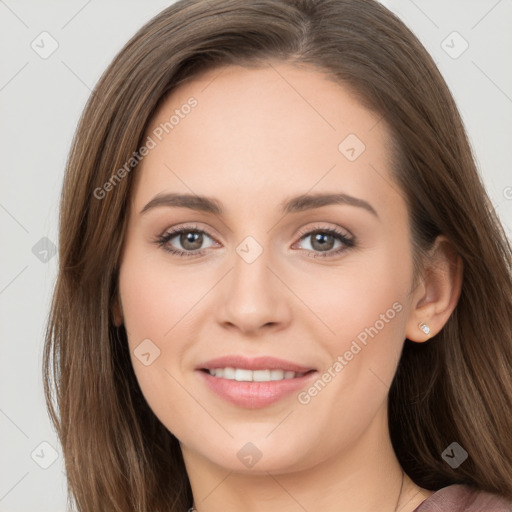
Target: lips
254,382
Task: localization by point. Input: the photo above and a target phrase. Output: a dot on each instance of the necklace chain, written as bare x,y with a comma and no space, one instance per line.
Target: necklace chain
193,509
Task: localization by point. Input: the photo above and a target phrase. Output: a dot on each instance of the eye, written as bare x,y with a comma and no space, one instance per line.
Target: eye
326,242
189,241
185,241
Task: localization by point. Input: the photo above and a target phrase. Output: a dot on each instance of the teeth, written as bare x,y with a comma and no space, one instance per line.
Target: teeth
276,374
242,375
261,375
228,373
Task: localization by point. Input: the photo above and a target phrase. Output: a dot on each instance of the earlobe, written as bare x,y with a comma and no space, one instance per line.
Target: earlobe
438,293
425,328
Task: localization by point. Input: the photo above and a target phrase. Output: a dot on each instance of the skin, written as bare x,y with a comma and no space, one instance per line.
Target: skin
256,138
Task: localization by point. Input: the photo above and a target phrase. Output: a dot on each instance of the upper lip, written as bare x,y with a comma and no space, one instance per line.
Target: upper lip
253,363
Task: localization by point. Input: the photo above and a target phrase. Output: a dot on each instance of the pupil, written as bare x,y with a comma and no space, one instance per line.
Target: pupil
191,240
323,240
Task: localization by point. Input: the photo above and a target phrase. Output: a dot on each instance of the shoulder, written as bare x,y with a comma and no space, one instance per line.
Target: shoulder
462,498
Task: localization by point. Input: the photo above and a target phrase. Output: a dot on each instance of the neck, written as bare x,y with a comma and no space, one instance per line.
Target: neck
362,478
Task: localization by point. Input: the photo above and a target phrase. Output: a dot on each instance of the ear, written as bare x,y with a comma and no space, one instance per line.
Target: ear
438,291
117,311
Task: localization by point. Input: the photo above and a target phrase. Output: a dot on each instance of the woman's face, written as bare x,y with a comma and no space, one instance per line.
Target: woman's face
293,269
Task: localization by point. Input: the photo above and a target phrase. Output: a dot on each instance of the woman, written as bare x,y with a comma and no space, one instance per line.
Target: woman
282,285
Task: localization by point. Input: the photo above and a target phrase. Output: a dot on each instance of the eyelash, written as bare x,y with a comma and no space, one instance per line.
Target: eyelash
163,239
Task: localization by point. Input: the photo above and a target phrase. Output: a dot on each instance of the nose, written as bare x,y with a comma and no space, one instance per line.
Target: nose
252,298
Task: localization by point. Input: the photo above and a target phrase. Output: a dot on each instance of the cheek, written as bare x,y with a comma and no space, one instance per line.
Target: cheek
348,300
160,303
365,306
155,303
156,296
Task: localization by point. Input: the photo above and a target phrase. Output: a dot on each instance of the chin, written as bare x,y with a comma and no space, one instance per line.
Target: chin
256,455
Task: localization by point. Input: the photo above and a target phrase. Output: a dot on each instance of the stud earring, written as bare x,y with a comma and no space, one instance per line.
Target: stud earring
424,327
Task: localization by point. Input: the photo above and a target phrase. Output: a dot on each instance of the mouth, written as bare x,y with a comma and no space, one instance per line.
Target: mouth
254,382
244,375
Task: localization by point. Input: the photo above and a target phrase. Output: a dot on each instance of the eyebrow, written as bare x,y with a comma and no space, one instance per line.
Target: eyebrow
295,204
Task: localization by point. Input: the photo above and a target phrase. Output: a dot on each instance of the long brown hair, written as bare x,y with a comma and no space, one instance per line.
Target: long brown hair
456,387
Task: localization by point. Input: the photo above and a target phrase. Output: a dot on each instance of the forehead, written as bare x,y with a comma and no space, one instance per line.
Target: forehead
273,130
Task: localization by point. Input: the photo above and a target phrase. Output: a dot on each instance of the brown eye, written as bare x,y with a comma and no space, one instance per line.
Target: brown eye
321,241
191,240
326,242
185,241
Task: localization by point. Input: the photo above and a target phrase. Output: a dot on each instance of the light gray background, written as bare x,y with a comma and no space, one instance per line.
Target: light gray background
41,100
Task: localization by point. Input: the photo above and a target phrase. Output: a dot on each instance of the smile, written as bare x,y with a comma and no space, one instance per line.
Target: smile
254,382
244,375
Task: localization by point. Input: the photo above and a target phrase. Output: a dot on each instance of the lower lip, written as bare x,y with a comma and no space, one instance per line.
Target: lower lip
254,395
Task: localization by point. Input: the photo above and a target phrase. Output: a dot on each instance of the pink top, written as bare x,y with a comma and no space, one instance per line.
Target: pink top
462,498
